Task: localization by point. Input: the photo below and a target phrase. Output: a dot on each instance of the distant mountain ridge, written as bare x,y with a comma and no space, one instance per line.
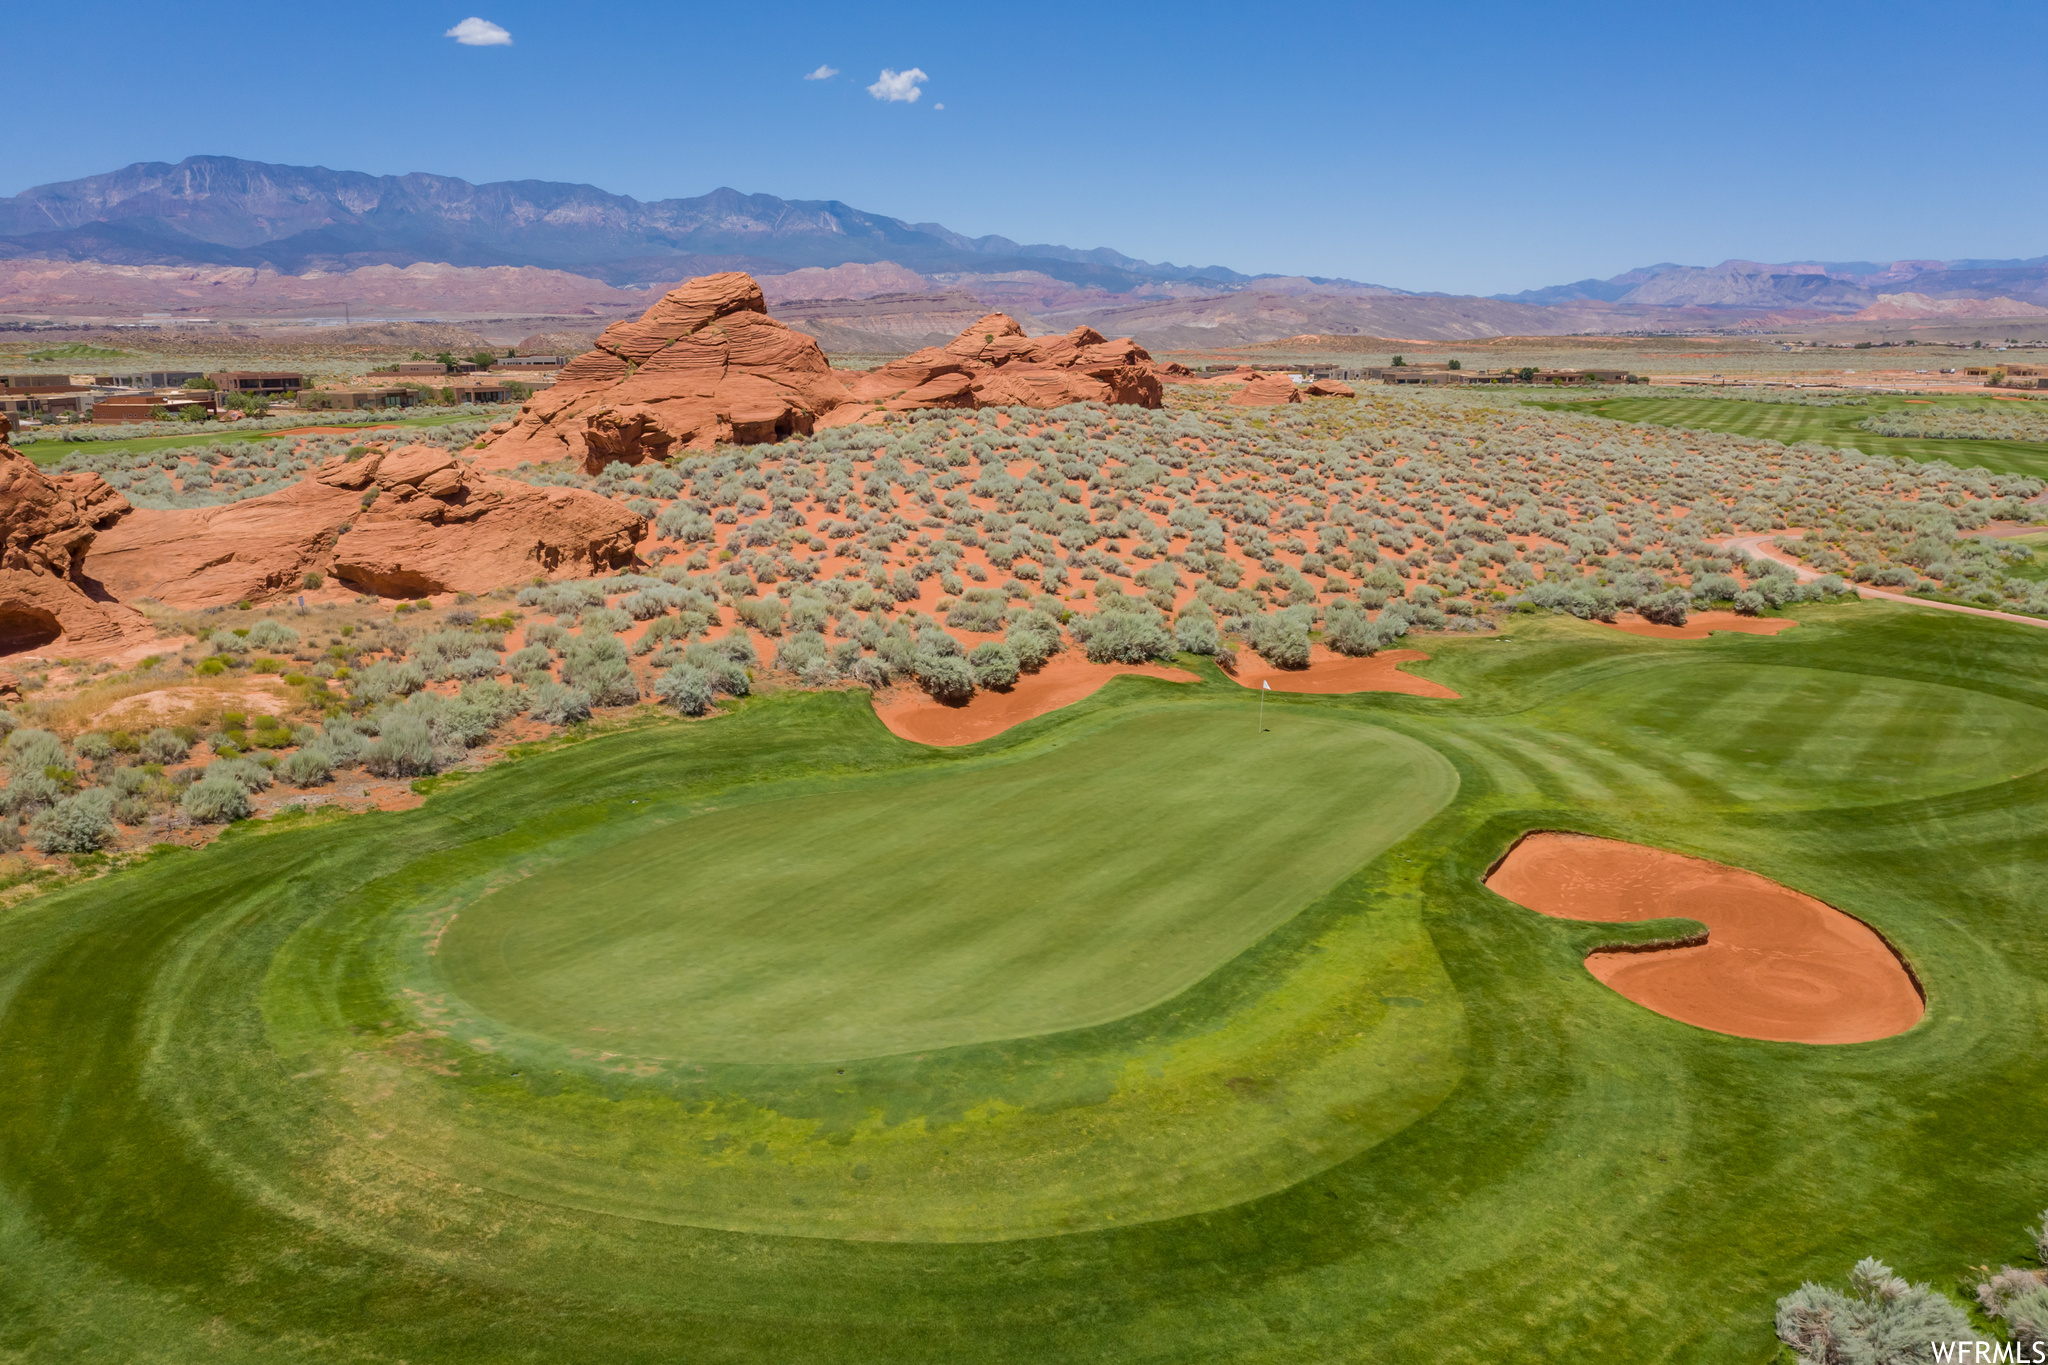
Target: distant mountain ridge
224,211
1826,286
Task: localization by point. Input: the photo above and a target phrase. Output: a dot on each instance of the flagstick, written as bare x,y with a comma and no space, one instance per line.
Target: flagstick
1262,707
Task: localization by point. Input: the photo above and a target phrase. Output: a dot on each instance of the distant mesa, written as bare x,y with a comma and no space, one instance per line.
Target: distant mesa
706,365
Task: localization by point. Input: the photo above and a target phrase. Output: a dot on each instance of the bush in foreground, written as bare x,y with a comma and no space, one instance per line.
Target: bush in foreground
215,801
1882,1320
77,824
687,688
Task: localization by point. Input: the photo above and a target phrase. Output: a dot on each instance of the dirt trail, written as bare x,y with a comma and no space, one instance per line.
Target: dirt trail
1330,673
1063,681
1777,965
1767,547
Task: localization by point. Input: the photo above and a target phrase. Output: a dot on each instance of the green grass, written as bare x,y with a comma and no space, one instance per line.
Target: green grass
1791,423
590,1057
51,452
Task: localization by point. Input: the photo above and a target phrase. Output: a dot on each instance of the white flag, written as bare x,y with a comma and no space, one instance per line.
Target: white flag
1267,685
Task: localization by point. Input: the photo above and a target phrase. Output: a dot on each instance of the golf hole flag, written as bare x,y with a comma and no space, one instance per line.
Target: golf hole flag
1265,685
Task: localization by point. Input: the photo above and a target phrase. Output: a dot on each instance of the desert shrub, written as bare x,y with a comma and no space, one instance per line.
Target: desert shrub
946,676
730,677
1349,631
981,610
687,688
30,791
531,657
1750,602
215,801
76,824
609,620
736,646
597,664
131,810
645,605
1280,639
405,748
546,634
2019,1297
268,634
802,651
1123,632
381,682
309,767
762,613
1197,635
94,746
1881,1320
30,750
252,776
993,664
1665,608
552,703
1714,587
869,672
345,741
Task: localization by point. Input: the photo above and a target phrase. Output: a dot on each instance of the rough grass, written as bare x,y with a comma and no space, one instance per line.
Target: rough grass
1791,423
53,452
248,1118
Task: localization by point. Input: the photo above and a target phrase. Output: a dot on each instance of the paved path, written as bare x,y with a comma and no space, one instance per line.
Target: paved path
1766,546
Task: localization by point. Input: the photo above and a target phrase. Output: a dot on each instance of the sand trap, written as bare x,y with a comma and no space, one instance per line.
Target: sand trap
1063,681
1329,672
1777,965
1701,624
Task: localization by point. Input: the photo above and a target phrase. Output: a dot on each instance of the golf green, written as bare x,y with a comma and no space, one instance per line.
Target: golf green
1133,1033
1005,899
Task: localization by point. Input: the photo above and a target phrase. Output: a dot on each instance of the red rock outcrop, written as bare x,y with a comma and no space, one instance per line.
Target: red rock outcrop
1330,388
47,527
993,364
1268,390
405,522
708,365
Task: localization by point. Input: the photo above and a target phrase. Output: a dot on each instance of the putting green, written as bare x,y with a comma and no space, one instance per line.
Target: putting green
1081,884
1008,1081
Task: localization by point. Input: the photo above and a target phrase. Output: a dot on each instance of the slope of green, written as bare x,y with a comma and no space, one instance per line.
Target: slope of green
255,1111
1792,423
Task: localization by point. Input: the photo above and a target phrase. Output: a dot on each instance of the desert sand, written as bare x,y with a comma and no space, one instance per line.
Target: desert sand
1330,673
1701,624
1062,682
1777,965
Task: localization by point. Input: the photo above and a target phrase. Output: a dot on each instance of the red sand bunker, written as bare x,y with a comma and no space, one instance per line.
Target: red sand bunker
1700,624
1063,681
1776,965
1330,672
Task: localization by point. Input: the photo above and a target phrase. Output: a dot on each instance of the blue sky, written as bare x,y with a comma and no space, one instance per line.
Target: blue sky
1469,148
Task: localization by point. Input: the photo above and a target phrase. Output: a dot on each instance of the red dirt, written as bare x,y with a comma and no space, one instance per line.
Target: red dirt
1777,965
1700,624
1329,672
1063,681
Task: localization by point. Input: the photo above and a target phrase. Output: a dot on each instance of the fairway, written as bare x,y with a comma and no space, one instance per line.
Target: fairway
952,906
1133,1033
51,452
1791,423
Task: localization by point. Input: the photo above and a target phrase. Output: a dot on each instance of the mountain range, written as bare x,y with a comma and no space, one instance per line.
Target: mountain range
222,235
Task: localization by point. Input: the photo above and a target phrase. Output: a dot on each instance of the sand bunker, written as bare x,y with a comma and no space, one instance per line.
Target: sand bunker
1700,624
1062,682
1777,965
1329,672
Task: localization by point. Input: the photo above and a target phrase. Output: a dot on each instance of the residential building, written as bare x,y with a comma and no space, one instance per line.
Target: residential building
481,391
145,407
257,381
357,397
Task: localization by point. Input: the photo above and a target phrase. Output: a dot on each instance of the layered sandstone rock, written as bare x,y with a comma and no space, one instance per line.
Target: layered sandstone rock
47,527
404,522
1330,388
708,365
1268,390
993,364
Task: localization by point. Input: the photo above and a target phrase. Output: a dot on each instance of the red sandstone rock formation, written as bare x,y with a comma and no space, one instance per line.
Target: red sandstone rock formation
47,526
704,365
708,365
1330,388
416,522
993,364
1266,391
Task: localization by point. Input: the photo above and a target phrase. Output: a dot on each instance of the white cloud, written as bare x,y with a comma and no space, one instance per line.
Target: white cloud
938,106
475,32
823,73
898,86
